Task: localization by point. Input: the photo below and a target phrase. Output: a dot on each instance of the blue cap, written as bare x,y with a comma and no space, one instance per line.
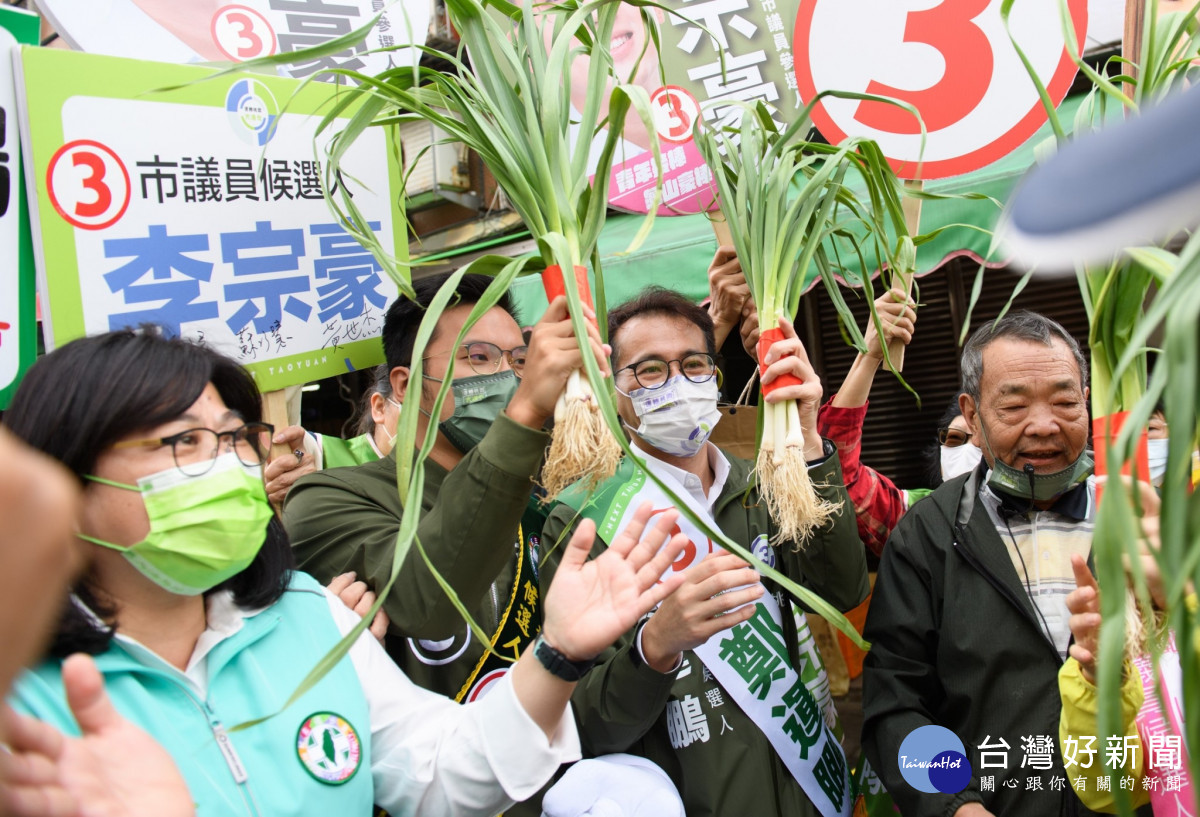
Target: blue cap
1132,184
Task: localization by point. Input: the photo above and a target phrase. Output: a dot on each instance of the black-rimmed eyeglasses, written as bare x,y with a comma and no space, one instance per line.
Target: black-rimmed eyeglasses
653,373
953,437
486,358
196,449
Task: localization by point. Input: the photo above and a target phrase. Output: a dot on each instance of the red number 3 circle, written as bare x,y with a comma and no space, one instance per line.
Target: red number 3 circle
88,184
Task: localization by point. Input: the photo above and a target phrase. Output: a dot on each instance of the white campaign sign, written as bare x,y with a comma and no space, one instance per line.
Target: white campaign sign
219,30
10,236
271,234
202,209
951,59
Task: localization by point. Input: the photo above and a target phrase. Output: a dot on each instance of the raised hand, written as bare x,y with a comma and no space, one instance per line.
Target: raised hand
39,554
114,770
728,292
1084,604
788,356
553,354
282,472
898,317
750,330
1150,505
592,602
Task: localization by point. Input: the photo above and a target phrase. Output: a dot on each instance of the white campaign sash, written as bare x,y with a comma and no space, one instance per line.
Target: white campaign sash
751,660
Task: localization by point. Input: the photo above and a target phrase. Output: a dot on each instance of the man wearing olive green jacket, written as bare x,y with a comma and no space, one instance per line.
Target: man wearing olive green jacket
722,686
478,527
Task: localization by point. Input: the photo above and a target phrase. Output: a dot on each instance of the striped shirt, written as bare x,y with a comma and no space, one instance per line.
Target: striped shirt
1040,544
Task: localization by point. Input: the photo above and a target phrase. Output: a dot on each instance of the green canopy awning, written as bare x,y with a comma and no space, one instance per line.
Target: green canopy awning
679,249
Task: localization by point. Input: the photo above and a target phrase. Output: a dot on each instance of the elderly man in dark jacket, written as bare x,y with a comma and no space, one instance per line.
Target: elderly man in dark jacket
969,623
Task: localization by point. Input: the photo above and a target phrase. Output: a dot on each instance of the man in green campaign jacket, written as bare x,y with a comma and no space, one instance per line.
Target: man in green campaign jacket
478,525
722,686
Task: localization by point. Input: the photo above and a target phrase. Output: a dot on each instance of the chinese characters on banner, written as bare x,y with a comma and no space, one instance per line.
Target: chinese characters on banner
188,31
754,37
201,210
953,61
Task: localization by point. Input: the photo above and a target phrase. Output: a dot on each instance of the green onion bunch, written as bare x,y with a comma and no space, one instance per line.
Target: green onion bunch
794,207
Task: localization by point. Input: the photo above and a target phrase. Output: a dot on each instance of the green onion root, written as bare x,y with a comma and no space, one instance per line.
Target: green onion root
783,481
581,446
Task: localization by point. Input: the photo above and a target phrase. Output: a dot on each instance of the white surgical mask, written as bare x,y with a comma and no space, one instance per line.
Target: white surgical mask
679,416
960,459
1156,453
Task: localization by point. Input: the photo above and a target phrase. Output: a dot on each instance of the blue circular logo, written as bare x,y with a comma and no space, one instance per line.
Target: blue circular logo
761,548
252,111
932,759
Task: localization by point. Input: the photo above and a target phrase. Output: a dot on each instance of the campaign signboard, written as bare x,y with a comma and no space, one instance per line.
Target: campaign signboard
952,60
18,312
201,209
189,31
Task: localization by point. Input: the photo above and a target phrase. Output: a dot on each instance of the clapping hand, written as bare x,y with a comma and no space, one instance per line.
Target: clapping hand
592,602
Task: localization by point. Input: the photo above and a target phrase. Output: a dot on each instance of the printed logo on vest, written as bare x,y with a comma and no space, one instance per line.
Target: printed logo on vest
535,554
440,653
329,748
761,549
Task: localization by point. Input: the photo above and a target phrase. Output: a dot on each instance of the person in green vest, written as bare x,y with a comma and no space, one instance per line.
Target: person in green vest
313,452
206,636
376,428
718,687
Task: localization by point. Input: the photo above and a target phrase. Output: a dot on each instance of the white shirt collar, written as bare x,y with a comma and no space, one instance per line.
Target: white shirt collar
687,480
224,618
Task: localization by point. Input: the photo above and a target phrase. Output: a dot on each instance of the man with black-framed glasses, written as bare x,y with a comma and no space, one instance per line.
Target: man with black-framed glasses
480,524
669,691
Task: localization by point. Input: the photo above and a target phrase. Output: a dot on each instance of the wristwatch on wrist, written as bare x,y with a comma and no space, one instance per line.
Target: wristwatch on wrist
828,449
558,664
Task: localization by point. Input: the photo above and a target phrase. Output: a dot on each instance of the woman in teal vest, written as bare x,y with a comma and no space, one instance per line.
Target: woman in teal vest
203,633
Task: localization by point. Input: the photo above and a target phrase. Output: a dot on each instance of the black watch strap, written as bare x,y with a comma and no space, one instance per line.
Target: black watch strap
828,449
558,664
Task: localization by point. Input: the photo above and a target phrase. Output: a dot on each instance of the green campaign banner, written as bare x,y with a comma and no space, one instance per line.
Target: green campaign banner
201,209
18,295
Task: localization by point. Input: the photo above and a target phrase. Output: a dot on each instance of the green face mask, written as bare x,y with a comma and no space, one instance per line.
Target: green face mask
478,401
203,530
1045,487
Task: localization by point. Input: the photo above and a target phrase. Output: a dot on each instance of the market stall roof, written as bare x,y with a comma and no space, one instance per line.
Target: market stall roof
678,250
